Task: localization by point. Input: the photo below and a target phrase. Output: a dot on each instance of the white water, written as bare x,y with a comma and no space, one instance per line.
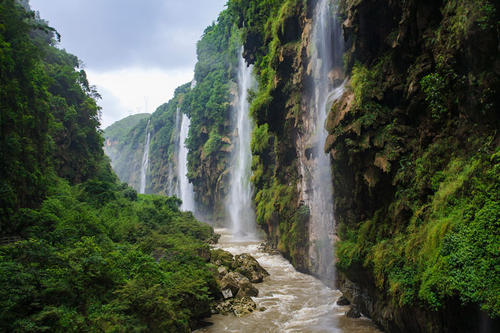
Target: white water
239,202
172,187
185,187
293,301
145,160
325,58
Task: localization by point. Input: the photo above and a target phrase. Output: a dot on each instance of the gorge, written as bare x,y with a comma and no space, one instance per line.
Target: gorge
350,146
339,149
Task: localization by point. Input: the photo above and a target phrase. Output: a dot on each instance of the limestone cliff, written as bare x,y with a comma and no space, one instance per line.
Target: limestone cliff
124,145
414,149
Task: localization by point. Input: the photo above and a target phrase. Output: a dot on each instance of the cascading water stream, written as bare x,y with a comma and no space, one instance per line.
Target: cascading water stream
326,60
172,173
185,187
239,203
145,161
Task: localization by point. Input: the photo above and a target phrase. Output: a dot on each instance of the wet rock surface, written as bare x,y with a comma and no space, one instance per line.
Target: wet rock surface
236,306
249,267
235,276
288,300
268,248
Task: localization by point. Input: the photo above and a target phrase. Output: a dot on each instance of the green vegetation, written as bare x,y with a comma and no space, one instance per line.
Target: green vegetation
271,36
48,114
417,158
119,129
450,246
124,145
94,259
165,127
80,251
208,105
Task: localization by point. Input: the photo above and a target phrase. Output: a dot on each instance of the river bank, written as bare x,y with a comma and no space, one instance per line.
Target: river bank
288,301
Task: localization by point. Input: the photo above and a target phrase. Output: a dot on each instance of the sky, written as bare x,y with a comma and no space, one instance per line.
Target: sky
136,52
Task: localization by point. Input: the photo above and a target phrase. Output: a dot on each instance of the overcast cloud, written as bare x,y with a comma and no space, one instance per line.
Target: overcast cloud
136,51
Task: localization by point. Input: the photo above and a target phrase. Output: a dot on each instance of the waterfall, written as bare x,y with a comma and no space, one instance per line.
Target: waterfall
326,61
172,187
185,187
145,160
239,202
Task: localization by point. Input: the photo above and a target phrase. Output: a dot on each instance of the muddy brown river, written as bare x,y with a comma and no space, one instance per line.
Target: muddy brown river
293,301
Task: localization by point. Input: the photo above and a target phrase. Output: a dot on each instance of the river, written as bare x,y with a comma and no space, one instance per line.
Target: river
291,301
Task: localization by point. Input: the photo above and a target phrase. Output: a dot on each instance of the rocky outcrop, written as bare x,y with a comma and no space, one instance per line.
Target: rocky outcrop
124,145
249,267
402,135
235,277
236,306
414,146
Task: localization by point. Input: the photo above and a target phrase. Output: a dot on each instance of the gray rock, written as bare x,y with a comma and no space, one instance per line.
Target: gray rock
246,289
227,293
243,306
231,281
249,267
222,271
236,306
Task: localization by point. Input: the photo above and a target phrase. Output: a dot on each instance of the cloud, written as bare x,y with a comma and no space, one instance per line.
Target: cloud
136,51
112,34
135,90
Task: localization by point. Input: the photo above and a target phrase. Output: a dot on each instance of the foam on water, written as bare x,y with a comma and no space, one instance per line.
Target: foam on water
293,301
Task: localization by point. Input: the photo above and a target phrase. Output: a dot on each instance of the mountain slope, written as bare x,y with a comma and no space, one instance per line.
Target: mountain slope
79,251
124,147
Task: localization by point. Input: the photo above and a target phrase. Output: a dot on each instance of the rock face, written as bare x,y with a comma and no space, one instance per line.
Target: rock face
353,313
124,146
413,142
412,104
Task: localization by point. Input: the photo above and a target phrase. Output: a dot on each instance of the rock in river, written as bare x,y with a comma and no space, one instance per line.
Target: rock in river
249,267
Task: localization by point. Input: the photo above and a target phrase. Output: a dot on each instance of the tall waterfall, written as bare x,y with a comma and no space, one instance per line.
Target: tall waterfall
172,187
326,61
185,187
239,202
145,160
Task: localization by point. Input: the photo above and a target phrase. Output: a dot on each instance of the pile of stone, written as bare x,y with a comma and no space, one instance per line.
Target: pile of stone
235,278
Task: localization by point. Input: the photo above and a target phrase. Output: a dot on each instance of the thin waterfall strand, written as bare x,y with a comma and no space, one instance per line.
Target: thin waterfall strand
145,160
185,187
239,204
326,58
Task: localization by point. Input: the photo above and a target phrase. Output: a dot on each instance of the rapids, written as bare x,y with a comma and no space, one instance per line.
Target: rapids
291,301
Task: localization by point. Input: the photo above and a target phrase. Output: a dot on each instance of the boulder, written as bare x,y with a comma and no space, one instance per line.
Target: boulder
237,306
249,267
222,271
267,248
220,257
227,293
247,289
238,284
231,281
243,306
